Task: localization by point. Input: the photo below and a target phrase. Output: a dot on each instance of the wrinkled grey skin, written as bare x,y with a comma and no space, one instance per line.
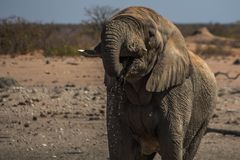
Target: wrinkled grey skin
160,96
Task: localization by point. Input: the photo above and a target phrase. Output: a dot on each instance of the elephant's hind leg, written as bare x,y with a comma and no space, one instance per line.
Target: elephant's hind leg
194,144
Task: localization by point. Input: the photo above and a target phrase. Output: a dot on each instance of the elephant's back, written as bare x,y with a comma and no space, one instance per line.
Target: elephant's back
137,11
145,16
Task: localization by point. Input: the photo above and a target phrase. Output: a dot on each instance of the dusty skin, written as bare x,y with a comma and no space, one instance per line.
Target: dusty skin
58,112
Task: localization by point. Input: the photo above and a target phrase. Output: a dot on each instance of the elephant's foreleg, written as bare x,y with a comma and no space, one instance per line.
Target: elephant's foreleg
171,141
172,151
193,146
121,144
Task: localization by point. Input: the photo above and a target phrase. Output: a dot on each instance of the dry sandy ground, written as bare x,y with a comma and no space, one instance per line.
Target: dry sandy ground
58,112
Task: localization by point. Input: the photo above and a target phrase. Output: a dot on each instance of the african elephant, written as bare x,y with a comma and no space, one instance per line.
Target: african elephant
160,95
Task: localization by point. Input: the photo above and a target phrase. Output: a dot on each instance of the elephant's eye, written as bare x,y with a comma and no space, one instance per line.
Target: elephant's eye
151,33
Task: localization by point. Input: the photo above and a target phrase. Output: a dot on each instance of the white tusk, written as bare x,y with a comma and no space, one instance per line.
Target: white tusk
81,50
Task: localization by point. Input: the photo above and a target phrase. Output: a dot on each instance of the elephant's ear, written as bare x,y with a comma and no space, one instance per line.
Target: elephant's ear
172,65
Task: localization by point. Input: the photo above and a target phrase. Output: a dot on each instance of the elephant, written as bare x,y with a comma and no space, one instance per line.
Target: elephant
160,95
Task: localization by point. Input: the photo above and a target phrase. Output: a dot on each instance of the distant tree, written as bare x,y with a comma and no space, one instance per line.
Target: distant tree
13,20
237,22
99,15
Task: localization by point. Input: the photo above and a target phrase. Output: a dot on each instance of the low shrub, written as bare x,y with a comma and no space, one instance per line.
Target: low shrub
17,36
212,51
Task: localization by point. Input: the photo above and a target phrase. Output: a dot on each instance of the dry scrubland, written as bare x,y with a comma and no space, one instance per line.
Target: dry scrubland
18,36
54,108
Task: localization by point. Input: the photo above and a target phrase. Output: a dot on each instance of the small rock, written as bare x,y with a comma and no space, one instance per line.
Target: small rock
57,90
86,89
29,149
236,62
35,100
34,90
21,103
93,118
235,91
54,96
97,94
215,116
5,96
44,145
27,124
101,111
34,118
42,114
35,134
28,102
47,72
54,81
85,105
236,122
7,82
89,114
70,85
47,62
72,63
76,94
77,113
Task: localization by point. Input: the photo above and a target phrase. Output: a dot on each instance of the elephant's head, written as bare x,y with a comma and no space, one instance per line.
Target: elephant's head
137,42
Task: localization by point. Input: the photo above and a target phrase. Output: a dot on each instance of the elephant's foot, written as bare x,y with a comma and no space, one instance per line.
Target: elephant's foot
149,146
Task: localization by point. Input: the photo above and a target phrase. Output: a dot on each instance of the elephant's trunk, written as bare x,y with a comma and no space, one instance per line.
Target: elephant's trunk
112,38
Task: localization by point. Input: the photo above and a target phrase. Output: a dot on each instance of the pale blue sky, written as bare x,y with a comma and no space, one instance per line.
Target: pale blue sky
72,11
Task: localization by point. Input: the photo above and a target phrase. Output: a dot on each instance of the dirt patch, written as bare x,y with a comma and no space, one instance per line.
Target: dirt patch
58,112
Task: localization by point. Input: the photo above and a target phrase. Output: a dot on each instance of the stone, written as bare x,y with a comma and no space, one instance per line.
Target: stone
237,62
7,82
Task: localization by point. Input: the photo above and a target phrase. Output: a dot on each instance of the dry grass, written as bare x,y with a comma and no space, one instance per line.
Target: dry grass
212,51
18,36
